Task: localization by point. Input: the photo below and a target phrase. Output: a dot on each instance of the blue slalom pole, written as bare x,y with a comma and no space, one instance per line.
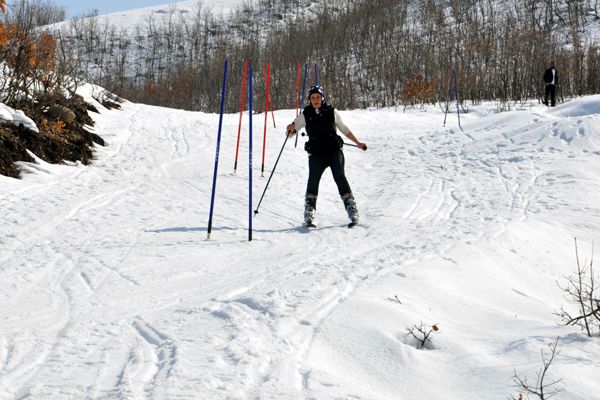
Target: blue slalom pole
214,186
316,75
302,96
250,155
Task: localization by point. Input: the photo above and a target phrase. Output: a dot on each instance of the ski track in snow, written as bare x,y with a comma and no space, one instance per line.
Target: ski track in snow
110,289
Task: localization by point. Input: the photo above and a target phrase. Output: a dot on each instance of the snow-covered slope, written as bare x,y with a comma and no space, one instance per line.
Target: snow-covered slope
109,288
184,9
175,10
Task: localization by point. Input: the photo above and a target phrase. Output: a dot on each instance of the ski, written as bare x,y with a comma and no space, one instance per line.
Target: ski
312,226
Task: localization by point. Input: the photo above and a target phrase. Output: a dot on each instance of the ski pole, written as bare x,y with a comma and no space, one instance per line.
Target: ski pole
345,143
353,145
270,176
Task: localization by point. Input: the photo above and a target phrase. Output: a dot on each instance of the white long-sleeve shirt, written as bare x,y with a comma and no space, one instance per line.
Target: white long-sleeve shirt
300,123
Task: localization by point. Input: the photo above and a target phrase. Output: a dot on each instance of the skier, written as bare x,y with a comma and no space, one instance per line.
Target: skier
324,148
551,80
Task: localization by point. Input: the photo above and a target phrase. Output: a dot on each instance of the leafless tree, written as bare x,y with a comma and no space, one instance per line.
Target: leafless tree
581,291
541,389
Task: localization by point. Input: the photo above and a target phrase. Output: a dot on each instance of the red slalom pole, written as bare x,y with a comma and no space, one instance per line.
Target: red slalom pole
237,147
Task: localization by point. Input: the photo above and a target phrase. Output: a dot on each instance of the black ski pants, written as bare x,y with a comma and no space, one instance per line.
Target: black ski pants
550,92
318,163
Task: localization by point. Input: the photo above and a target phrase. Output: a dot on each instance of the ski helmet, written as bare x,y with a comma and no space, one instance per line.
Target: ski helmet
316,89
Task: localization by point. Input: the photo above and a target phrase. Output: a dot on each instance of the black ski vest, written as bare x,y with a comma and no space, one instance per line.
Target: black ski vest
322,134
548,76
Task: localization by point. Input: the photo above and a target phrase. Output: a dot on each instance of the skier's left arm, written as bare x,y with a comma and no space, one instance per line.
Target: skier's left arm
339,123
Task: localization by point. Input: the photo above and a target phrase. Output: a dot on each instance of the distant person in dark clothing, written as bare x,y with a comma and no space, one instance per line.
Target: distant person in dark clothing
551,80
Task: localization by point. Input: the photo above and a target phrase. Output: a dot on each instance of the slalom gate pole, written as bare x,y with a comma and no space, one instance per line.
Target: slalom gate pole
250,155
214,185
448,97
272,109
237,147
297,85
270,98
270,176
457,97
302,95
316,75
262,168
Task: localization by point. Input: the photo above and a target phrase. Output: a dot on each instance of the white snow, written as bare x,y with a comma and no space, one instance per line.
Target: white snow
129,19
16,117
110,290
178,8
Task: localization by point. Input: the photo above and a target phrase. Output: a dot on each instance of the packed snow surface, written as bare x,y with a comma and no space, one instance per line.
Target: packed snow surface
109,288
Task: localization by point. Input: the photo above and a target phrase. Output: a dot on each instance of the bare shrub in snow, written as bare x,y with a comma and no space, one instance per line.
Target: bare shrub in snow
581,291
540,389
422,333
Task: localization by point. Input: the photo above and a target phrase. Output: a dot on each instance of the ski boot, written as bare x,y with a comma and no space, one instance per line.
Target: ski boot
351,209
310,208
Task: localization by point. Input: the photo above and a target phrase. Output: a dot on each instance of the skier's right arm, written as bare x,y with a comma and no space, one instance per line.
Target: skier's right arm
296,125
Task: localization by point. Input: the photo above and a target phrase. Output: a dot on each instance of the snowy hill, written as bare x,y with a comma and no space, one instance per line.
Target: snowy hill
128,19
109,288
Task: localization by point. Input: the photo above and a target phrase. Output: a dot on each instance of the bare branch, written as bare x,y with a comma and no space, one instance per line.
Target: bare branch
422,333
541,389
580,290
